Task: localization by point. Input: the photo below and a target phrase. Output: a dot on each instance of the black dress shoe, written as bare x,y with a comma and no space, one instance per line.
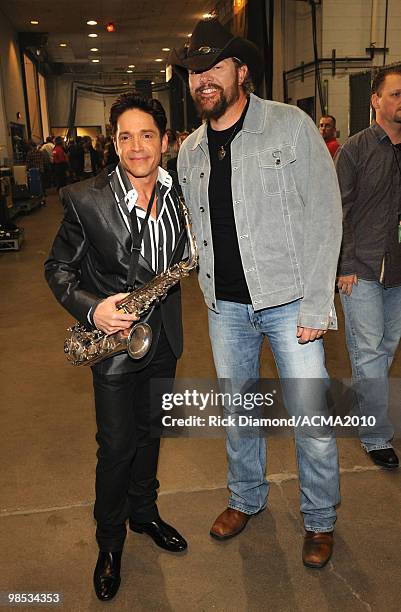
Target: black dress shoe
106,578
162,534
385,458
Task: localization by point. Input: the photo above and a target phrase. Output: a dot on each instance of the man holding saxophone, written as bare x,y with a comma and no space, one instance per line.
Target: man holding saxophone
120,230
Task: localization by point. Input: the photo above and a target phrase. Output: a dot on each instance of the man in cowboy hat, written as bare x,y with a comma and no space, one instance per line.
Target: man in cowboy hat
266,212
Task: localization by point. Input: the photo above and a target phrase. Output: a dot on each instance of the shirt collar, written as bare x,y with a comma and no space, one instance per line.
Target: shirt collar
164,178
380,134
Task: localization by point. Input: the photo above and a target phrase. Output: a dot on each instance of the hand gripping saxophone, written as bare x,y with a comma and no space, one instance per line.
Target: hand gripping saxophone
83,347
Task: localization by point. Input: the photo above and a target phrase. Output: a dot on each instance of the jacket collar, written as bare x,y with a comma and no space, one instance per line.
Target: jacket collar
201,136
254,121
256,116
106,206
102,179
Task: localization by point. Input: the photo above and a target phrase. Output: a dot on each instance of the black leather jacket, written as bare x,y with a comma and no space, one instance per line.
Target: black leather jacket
89,261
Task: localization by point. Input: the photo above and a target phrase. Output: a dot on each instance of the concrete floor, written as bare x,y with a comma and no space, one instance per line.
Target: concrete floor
47,460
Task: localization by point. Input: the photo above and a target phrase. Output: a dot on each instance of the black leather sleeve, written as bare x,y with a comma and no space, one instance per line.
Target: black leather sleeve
63,266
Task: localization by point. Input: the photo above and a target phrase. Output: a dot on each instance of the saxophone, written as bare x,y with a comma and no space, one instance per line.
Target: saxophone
83,347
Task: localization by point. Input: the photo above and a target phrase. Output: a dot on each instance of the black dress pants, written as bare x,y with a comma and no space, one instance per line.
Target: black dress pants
126,483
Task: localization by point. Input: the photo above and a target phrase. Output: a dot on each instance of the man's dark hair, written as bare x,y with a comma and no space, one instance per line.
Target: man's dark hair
380,77
132,100
330,117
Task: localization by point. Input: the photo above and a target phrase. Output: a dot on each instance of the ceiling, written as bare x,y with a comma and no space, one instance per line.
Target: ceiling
143,28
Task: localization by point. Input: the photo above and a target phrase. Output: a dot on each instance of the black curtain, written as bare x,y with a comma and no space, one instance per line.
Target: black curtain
359,98
183,114
260,32
177,118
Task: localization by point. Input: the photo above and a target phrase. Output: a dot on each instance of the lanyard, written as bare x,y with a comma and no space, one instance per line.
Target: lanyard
137,237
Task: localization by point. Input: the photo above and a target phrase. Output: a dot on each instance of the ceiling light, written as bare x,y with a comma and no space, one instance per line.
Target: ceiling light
131,66
207,16
162,71
91,22
92,35
166,49
34,22
94,49
130,71
153,83
125,83
189,35
96,61
110,27
158,59
63,44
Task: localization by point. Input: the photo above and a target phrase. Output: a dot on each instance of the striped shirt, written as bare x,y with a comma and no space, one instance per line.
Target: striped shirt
162,233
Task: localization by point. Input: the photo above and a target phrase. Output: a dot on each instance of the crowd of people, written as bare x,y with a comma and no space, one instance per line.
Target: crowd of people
60,162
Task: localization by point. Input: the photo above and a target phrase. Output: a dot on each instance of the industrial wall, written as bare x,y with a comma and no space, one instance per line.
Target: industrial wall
11,88
349,27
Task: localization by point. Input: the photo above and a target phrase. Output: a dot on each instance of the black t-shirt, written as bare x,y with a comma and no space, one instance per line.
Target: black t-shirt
230,283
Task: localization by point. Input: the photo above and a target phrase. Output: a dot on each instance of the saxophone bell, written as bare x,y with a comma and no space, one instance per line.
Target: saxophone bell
139,340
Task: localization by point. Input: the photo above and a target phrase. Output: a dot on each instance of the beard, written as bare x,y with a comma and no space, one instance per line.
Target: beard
224,101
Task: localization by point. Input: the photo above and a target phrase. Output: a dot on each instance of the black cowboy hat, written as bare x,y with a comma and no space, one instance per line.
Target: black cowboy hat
210,43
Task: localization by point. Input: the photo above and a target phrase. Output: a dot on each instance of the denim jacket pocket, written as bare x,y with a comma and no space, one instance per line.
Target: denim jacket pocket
190,176
184,176
274,164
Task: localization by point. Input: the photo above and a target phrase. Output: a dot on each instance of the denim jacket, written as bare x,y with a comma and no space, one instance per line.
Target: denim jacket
287,210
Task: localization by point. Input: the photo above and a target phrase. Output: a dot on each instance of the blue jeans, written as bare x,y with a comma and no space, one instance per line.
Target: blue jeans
236,334
373,330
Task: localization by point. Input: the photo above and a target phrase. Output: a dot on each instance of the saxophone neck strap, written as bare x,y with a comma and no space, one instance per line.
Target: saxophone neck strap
178,194
137,237
176,187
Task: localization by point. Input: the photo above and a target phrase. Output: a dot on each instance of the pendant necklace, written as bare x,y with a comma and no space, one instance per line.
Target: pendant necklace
221,150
